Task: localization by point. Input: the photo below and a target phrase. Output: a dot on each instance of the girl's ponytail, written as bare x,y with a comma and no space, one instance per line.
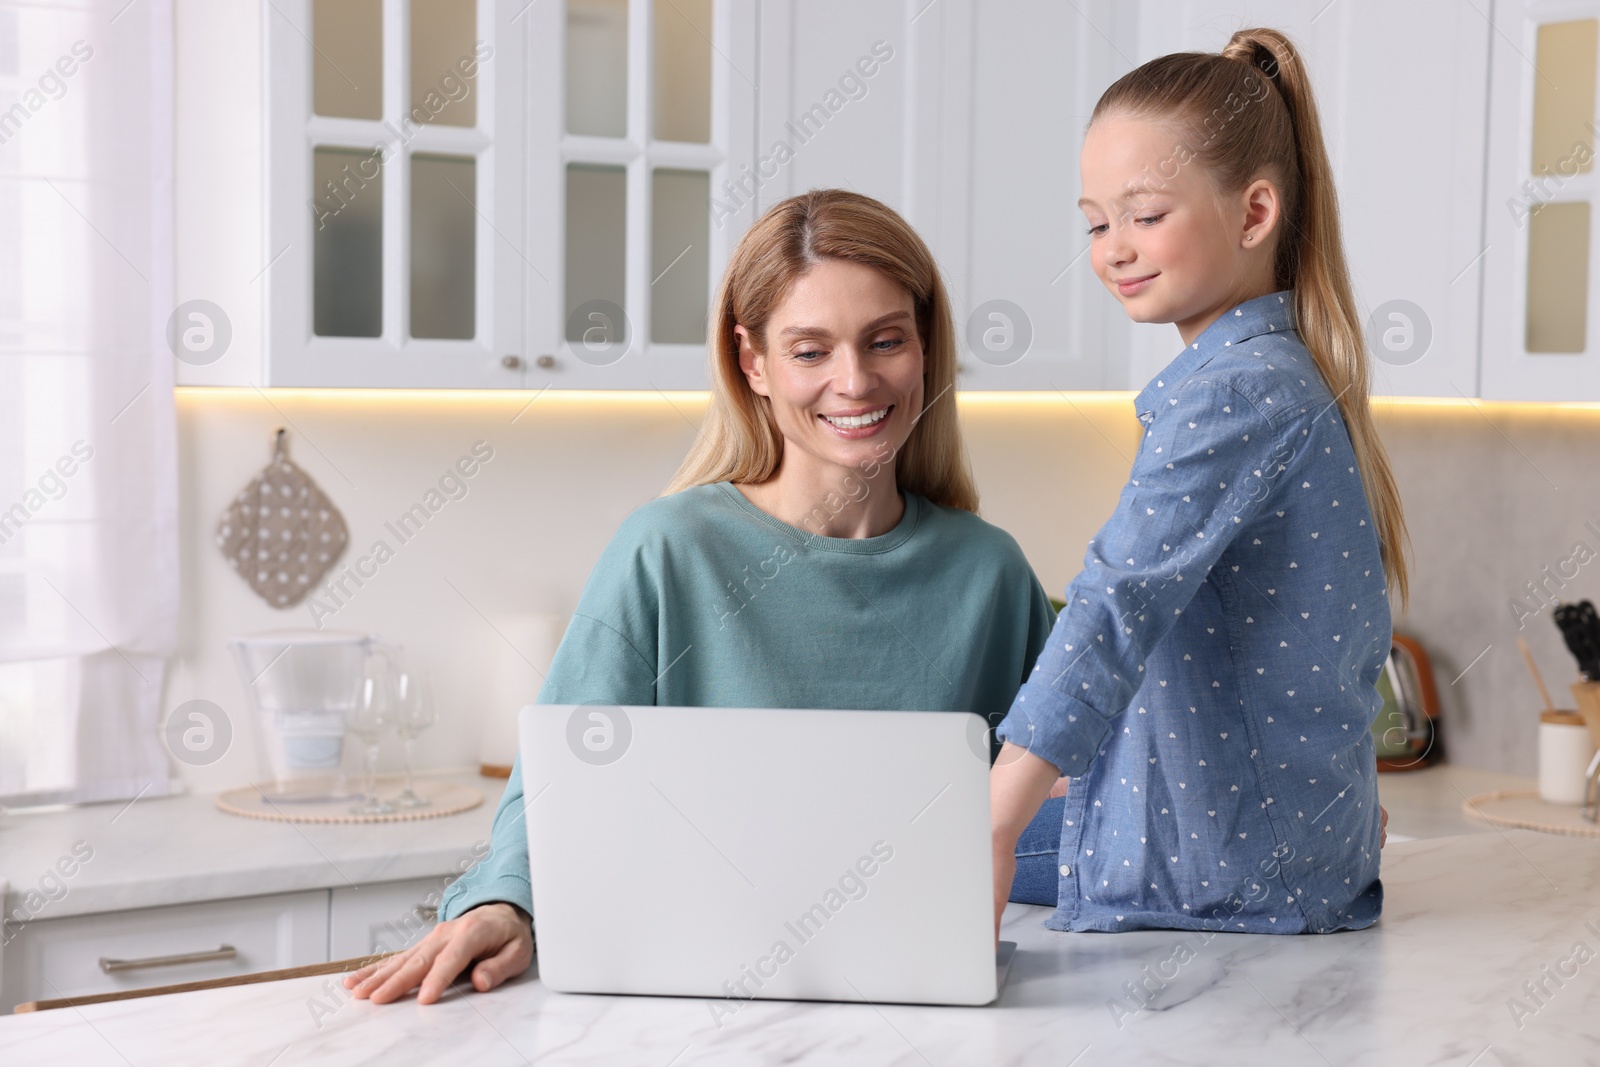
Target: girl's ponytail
1245,130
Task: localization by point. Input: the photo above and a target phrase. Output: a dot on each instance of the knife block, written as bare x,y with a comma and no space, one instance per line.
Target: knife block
1587,695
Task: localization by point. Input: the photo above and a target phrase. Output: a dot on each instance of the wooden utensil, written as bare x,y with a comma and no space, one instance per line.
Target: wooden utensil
1538,680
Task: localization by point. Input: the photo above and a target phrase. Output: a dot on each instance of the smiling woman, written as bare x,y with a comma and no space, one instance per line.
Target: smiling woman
819,547
859,327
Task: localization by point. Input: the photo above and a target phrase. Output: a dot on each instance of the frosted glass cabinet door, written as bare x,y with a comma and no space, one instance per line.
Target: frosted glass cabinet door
443,246
395,193
1540,341
597,68
347,71
628,172
442,31
679,261
596,263
347,272
610,153
681,63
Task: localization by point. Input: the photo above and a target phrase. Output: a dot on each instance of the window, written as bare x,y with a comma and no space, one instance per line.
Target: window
88,492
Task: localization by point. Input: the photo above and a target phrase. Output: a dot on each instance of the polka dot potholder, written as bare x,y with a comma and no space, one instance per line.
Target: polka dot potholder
282,533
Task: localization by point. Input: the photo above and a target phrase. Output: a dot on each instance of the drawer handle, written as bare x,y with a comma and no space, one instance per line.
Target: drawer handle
426,912
221,952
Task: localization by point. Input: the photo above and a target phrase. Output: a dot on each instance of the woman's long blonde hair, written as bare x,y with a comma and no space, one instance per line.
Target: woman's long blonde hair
740,441
1244,131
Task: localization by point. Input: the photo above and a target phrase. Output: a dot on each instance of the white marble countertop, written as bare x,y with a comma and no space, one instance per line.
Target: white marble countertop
1467,920
181,849
1427,802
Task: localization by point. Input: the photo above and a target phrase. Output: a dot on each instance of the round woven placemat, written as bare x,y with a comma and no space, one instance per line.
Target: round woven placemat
1523,809
445,798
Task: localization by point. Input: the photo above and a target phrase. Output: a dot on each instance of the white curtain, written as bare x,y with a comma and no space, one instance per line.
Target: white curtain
88,469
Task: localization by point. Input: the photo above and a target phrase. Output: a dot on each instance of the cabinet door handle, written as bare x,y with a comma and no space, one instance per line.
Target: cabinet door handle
221,952
426,911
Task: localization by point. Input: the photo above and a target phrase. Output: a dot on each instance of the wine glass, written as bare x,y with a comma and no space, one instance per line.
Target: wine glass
368,718
413,713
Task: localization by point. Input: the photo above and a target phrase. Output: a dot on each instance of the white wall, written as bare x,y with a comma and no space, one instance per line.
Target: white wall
1494,494
533,519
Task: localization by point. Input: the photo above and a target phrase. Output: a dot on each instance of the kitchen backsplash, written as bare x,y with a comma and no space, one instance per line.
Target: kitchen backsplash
1499,499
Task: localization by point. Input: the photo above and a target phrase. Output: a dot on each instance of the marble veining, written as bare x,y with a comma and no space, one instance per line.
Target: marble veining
1468,920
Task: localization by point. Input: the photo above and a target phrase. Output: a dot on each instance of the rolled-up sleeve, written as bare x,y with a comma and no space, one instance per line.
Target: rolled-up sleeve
1205,467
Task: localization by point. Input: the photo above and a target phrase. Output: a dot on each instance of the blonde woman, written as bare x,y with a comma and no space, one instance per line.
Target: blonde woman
818,548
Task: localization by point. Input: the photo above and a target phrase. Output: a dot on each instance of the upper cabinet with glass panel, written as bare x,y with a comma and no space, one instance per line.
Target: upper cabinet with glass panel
485,193
347,65
395,199
1539,338
1556,317
653,111
497,193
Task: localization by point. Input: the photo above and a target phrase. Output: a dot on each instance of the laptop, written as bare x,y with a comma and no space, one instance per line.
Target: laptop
742,854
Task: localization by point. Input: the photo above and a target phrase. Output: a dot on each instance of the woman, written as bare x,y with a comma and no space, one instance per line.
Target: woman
818,548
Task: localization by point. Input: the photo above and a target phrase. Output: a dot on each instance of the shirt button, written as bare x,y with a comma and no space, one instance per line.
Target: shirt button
1066,872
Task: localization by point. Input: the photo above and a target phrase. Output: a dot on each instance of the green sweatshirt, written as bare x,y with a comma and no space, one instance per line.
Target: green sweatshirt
704,600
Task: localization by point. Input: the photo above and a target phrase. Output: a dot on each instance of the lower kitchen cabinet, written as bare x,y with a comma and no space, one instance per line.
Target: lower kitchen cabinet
109,952
385,917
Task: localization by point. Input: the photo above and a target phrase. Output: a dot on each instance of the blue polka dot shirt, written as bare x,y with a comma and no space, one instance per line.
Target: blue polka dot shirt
1211,684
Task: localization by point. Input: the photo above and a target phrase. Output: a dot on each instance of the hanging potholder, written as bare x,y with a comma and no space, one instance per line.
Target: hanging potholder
282,533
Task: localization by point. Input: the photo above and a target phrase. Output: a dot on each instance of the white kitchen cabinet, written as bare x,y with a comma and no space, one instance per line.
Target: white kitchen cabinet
473,247
51,958
972,129
1540,340
393,223
966,117
1401,90
177,874
840,85
640,117
384,917
1036,73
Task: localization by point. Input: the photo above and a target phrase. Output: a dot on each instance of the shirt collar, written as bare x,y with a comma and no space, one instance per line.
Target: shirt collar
1272,313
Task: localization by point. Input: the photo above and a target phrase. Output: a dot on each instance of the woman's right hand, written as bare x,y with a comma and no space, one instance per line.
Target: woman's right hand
498,936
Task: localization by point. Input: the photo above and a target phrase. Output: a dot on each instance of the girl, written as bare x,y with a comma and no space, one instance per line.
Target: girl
1211,683
818,548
